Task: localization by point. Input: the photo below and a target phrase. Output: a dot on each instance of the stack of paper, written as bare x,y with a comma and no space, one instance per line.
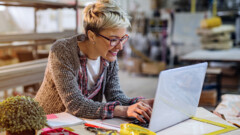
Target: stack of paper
63,119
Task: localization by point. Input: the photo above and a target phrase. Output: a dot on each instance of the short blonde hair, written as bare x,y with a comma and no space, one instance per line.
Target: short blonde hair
104,14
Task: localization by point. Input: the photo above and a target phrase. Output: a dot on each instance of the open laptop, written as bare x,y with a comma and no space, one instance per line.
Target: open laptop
176,98
177,95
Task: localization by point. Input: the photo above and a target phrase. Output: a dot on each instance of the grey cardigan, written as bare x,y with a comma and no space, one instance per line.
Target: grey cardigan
60,92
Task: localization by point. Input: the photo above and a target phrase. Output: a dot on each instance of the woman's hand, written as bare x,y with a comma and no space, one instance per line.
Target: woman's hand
135,110
138,109
147,101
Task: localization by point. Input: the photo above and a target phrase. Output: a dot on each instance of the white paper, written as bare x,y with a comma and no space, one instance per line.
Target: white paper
113,123
64,119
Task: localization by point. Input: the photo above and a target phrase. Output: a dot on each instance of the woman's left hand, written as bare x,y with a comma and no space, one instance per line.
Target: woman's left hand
147,101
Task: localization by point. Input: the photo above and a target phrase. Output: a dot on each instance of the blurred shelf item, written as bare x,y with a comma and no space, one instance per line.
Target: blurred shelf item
228,13
231,55
216,30
40,4
35,36
216,38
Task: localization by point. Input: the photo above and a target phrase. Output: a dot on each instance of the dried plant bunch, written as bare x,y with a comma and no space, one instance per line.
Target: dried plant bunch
21,113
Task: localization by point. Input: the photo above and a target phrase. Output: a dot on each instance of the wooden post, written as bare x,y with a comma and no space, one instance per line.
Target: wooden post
5,94
77,17
76,8
35,20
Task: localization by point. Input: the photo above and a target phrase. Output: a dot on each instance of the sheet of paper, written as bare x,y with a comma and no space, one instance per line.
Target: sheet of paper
63,119
51,116
113,123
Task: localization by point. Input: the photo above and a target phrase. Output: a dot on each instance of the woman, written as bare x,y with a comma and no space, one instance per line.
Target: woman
83,68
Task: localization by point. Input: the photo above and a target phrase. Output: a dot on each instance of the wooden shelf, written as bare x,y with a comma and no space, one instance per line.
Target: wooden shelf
22,74
24,44
40,4
36,36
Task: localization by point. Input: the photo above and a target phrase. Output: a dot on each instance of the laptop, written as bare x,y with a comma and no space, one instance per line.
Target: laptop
177,95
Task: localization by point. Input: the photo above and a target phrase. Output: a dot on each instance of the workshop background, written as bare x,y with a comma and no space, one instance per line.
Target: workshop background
165,34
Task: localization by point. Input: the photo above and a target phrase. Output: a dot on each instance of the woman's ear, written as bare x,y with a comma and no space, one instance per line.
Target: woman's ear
91,36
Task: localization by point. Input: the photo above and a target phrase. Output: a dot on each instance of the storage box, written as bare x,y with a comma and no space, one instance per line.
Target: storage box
153,68
230,82
231,71
133,65
208,98
42,54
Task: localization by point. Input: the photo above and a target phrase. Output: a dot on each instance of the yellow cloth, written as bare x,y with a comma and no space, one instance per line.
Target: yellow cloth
211,22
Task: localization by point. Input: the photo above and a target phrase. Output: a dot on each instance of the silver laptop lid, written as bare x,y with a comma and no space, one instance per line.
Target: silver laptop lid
177,95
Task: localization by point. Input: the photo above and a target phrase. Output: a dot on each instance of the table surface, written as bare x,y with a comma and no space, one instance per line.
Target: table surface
188,127
231,55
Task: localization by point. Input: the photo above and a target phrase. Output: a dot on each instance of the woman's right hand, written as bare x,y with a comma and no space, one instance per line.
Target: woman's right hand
135,110
138,109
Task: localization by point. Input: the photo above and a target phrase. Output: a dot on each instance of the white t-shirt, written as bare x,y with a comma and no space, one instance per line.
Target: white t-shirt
93,71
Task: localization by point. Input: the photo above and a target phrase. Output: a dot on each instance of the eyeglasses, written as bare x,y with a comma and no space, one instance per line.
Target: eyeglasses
116,41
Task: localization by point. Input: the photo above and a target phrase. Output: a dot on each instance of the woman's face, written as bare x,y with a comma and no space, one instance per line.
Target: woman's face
103,46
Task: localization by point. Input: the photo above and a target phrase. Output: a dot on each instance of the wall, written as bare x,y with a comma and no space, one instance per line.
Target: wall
137,6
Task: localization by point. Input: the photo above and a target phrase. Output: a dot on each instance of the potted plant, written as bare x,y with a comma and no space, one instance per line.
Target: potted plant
21,115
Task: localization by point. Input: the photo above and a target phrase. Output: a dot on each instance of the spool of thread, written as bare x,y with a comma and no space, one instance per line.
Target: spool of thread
211,22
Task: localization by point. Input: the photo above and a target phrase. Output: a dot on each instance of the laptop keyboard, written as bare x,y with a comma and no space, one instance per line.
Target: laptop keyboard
137,122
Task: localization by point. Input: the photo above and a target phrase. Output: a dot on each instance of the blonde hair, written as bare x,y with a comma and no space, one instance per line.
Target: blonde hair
104,14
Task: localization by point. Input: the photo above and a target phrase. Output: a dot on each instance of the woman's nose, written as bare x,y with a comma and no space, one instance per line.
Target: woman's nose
120,45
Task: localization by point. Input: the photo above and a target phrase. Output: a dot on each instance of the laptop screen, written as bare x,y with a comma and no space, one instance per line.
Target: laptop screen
177,95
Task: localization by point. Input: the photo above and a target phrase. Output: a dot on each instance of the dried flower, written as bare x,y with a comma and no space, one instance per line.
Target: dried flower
21,113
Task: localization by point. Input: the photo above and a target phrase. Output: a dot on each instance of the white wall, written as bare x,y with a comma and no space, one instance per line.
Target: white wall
137,5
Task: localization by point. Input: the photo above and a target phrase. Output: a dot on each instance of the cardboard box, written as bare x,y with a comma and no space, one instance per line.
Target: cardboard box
153,68
230,82
133,65
208,98
231,71
8,62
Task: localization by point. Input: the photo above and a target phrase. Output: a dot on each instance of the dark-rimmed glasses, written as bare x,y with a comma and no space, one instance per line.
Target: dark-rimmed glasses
114,42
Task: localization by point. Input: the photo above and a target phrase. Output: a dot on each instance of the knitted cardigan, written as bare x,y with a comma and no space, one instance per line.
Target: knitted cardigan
59,91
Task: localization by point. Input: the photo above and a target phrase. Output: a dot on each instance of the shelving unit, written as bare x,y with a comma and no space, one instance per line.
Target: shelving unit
41,5
33,40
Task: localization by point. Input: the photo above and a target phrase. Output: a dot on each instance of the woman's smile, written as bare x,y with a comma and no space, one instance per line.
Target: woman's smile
114,53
